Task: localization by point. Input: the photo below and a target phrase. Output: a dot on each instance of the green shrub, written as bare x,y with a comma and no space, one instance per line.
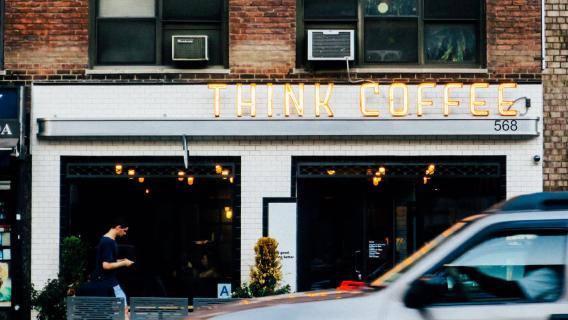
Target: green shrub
50,301
266,274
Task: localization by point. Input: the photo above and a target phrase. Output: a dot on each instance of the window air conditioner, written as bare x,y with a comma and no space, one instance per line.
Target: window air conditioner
189,48
331,45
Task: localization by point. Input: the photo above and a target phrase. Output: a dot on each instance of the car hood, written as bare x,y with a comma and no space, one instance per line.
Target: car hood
330,304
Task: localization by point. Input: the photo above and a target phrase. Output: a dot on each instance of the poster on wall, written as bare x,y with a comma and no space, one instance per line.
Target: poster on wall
5,285
282,226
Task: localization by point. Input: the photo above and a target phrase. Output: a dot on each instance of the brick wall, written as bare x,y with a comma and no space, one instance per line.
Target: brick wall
262,36
45,39
48,40
514,38
556,96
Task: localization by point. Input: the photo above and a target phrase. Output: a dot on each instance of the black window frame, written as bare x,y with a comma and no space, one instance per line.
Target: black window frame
160,22
358,24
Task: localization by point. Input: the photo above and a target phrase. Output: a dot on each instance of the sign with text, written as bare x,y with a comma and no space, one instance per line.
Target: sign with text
282,226
301,110
223,290
377,249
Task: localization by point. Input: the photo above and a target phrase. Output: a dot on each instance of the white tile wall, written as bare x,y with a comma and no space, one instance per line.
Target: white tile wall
265,163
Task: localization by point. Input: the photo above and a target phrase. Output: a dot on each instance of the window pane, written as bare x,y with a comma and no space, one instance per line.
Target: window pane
519,266
127,8
329,9
192,9
126,41
391,41
450,43
374,8
452,9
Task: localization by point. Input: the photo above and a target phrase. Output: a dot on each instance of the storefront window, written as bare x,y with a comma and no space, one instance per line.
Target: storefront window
181,227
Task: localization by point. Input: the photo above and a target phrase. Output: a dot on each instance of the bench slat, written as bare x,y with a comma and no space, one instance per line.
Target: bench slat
148,308
95,308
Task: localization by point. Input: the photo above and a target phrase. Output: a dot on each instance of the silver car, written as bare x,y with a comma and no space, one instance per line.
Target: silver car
508,263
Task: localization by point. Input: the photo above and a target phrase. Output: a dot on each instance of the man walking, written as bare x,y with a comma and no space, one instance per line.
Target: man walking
107,261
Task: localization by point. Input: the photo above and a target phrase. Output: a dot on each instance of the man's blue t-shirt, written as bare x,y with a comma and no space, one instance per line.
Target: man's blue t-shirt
107,251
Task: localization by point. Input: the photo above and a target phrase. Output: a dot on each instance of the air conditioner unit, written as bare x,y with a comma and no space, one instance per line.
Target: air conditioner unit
189,48
331,45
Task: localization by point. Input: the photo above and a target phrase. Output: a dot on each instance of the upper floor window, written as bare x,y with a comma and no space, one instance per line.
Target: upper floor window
397,32
139,32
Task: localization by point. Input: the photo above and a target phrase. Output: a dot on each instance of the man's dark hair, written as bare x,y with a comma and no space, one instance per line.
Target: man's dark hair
118,221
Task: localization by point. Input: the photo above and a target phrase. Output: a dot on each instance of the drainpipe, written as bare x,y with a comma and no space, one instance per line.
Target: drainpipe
543,30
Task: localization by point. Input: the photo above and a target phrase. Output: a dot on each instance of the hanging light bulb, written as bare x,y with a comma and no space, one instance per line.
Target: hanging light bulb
190,180
118,168
141,179
131,173
426,179
225,173
218,169
431,169
331,172
232,179
377,180
181,175
382,171
228,213
147,191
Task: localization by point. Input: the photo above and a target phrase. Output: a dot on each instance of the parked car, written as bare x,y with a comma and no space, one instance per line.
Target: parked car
506,263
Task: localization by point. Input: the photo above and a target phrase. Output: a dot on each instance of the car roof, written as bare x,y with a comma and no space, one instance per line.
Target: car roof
540,201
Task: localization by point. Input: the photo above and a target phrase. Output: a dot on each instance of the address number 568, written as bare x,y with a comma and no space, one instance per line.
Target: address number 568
505,125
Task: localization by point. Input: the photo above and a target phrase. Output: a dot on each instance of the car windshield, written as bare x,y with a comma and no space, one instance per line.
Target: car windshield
395,273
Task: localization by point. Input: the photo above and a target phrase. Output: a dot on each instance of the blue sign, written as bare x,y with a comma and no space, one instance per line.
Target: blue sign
9,103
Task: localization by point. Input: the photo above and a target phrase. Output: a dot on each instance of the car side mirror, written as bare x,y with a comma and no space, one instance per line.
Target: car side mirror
420,294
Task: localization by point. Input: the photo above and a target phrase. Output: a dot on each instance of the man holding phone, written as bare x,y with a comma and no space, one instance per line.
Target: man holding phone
107,253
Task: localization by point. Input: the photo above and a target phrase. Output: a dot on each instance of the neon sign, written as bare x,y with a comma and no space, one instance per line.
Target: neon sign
399,102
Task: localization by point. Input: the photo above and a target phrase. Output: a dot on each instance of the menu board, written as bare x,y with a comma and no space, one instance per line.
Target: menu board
377,249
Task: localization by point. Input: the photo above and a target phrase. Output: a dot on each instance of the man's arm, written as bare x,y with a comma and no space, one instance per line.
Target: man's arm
115,265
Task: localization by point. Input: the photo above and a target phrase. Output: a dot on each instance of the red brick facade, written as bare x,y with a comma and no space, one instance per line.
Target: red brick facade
262,36
48,40
45,39
514,38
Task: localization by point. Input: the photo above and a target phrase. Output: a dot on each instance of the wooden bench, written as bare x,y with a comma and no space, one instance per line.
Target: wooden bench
95,308
202,302
147,308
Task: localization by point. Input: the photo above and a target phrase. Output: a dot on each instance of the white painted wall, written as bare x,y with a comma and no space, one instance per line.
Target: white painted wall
265,163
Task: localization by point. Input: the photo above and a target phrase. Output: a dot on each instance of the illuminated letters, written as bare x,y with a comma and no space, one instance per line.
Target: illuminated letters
474,103
363,99
502,103
370,104
289,95
404,111
421,101
325,102
448,102
217,106
251,103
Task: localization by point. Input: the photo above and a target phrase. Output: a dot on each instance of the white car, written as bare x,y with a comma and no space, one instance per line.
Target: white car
506,264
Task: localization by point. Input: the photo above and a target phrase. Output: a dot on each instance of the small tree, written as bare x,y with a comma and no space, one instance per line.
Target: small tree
50,301
267,272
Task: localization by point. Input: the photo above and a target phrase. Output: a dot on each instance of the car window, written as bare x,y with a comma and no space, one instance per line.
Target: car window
517,266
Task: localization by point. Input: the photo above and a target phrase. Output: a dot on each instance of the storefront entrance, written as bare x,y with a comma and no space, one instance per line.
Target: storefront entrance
358,217
183,222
